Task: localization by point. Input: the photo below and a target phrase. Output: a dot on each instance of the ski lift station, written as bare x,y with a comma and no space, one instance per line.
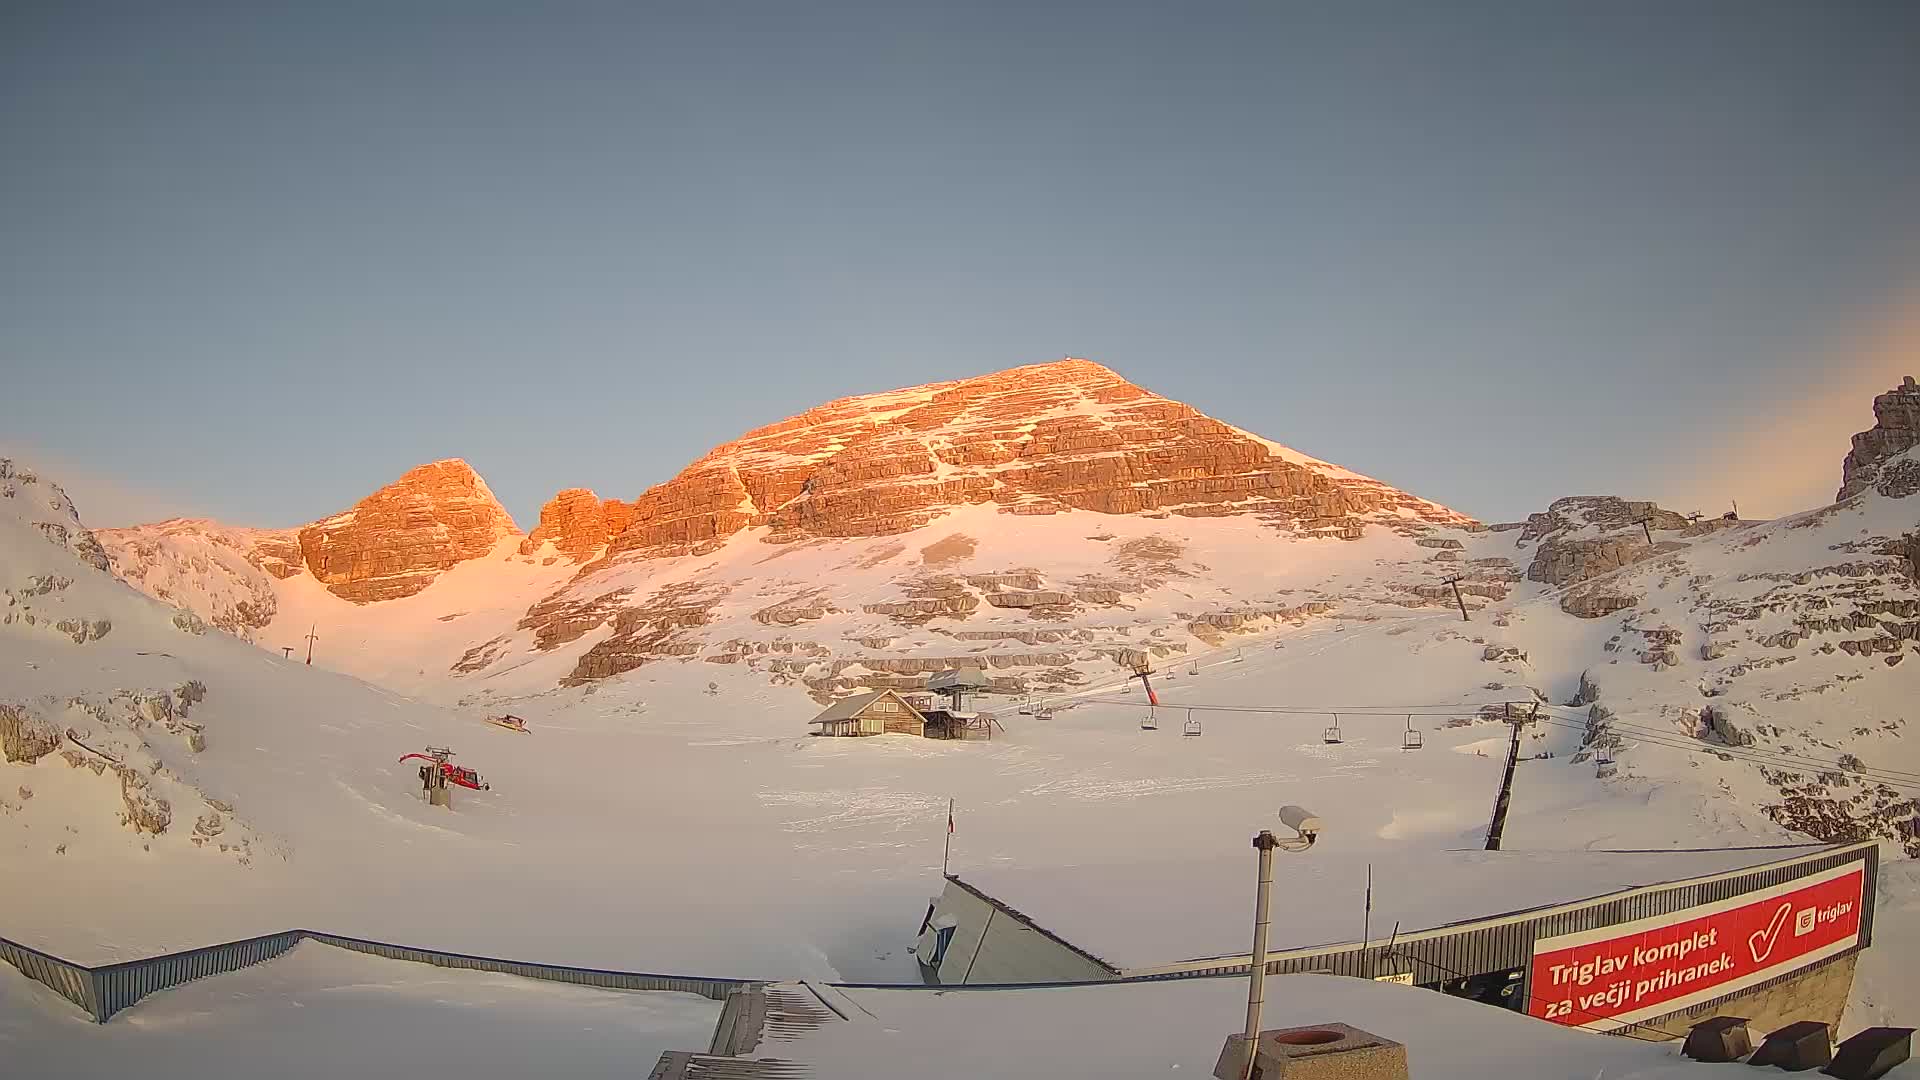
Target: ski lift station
888,712
1774,928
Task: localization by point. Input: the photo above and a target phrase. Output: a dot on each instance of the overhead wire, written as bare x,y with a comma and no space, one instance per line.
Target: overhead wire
1669,739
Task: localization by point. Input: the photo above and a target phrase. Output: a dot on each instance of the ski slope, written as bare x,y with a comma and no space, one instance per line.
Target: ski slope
677,818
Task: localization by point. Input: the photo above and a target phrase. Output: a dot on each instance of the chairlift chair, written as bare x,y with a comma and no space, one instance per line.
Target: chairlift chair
1026,707
1193,725
1412,740
1332,734
1148,722
1603,765
1044,712
1193,668
1239,656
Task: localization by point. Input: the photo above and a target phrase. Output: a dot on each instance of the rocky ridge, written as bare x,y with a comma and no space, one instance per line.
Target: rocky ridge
1043,439
1896,429
391,544
45,506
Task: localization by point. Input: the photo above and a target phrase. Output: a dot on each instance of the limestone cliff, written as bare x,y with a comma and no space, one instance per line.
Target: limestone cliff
1069,435
396,541
1896,429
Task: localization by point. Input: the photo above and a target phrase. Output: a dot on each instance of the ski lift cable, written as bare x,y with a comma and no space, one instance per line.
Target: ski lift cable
1749,752
1342,639
1630,726
1741,753
1772,759
1641,729
1670,739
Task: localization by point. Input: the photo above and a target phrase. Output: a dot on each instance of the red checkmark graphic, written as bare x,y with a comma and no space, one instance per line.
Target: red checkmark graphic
1760,942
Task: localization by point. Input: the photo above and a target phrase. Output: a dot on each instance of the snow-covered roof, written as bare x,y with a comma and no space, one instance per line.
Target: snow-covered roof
1141,916
848,708
1173,1029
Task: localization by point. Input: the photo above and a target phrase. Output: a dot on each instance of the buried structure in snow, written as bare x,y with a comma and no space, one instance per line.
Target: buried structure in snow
1601,940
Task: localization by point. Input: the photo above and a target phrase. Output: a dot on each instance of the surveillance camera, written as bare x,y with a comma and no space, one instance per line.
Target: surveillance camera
1299,820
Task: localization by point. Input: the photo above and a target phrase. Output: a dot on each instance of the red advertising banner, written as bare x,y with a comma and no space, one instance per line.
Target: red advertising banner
1615,975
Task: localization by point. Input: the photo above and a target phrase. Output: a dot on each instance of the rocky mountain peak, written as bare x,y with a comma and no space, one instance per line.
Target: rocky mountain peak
1896,429
44,505
394,542
1039,439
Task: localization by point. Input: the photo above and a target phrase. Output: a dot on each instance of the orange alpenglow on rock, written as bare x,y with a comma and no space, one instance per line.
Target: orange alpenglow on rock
396,541
1042,439
578,523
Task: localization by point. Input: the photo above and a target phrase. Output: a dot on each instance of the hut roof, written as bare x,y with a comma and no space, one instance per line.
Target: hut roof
848,708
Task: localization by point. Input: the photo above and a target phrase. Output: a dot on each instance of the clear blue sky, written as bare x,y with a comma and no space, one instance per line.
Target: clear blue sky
256,261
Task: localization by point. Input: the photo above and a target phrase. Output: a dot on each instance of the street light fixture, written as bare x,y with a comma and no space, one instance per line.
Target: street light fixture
1307,829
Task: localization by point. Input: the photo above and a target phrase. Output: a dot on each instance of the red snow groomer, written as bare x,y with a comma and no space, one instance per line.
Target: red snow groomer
436,757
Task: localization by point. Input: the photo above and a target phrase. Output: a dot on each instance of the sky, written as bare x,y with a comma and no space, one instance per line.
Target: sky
257,260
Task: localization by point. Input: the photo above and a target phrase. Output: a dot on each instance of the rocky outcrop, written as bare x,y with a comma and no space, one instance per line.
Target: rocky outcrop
1570,561
578,524
1895,430
1039,439
24,737
1599,513
1585,536
654,630
396,541
225,574
48,509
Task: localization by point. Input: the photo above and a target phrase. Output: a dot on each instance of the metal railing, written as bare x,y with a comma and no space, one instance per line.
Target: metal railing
105,990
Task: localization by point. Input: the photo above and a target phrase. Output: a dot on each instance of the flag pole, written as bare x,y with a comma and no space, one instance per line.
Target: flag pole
947,852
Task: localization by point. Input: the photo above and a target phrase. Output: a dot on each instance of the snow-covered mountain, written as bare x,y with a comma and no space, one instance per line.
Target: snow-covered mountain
1059,527
1743,681
146,755
1049,505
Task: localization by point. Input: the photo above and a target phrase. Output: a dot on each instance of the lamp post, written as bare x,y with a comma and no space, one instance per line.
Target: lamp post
1307,829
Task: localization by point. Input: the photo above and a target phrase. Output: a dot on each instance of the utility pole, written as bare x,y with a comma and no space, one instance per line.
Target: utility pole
311,638
1457,598
1500,803
1308,827
947,852
1262,921
1645,528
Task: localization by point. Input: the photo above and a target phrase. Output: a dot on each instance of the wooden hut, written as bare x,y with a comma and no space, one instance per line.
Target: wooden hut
882,712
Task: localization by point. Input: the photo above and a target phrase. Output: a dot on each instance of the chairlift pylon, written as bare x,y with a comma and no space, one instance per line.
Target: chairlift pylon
1412,740
1332,734
1193,725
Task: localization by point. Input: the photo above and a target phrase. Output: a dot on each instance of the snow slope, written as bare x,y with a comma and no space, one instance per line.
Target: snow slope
1177,1029
672,815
